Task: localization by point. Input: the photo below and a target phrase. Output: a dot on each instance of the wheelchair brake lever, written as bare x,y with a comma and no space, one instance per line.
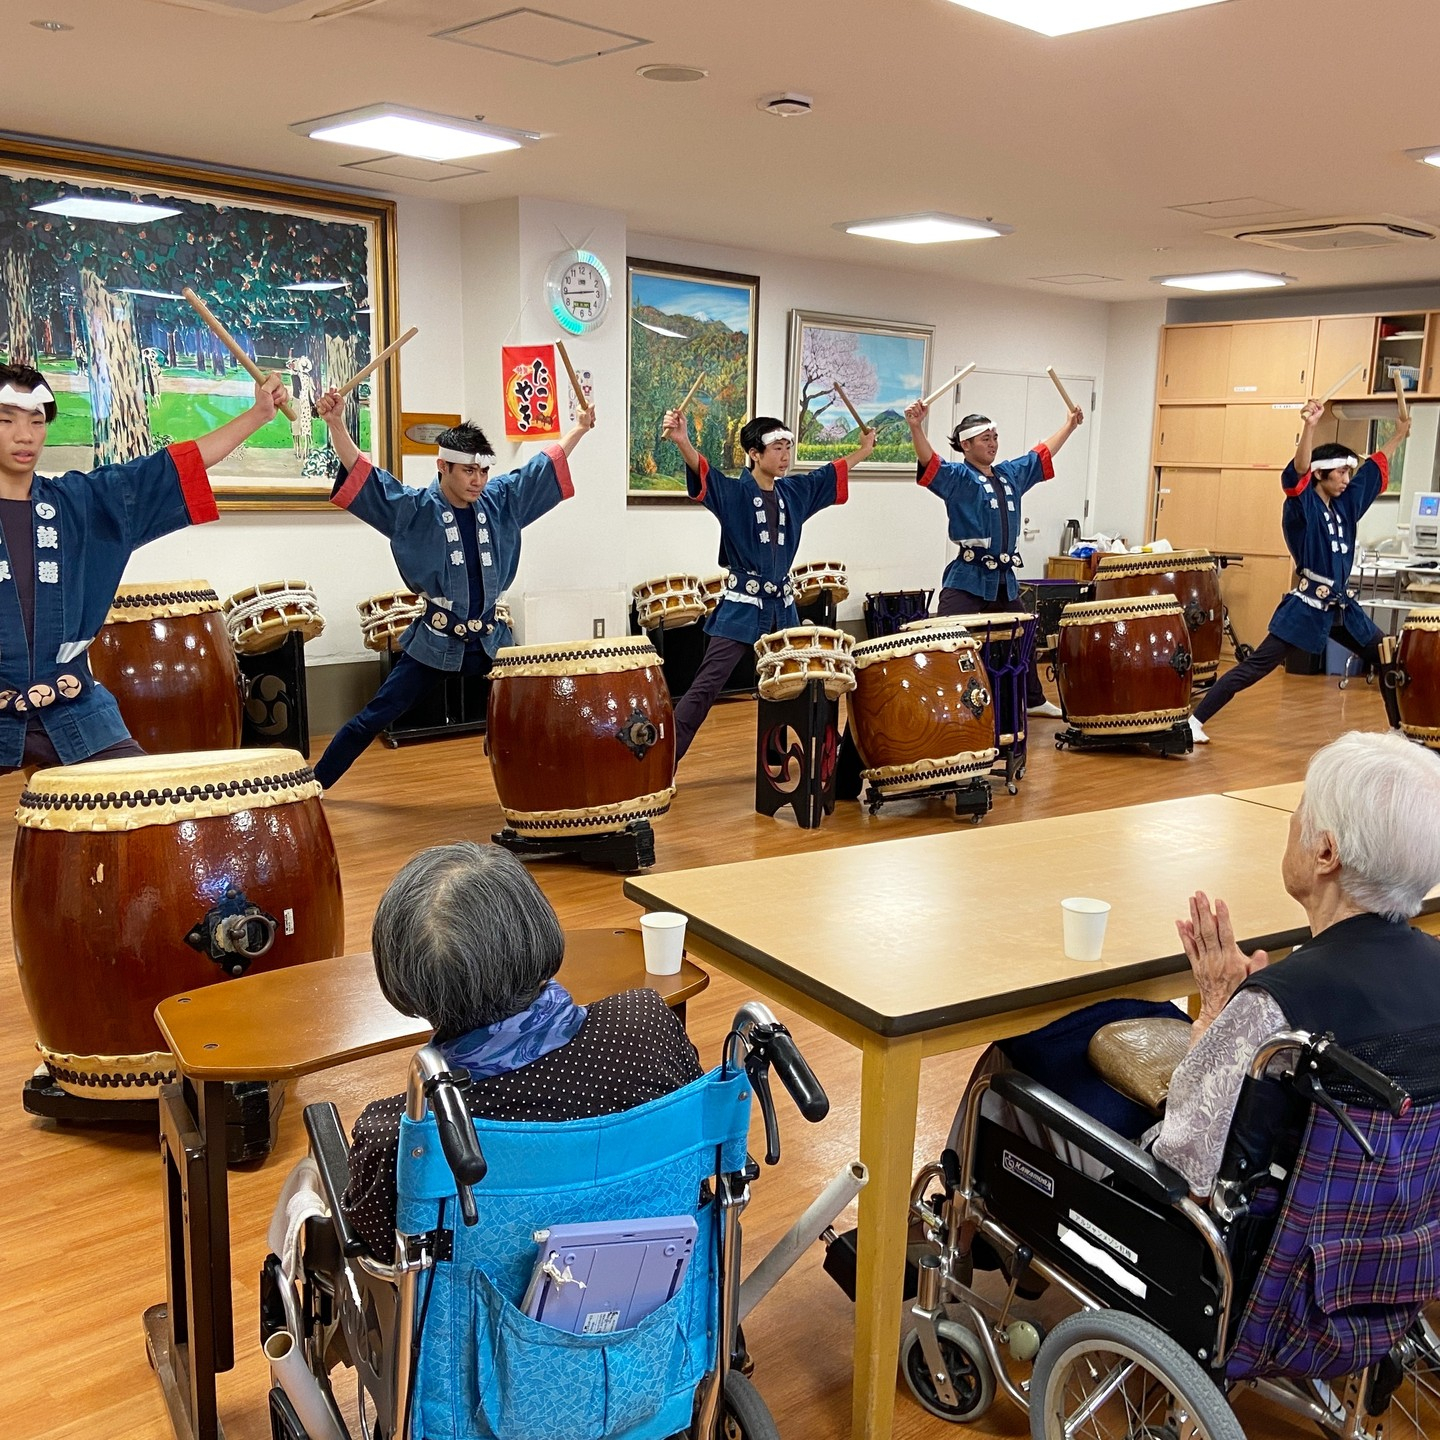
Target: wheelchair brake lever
1321,1096
757,1068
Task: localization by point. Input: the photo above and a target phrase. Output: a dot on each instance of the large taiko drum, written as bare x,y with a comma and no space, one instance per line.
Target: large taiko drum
1123,666
1191,577
1007,642
581,736
165,655
135,879
1418,693
921,714
261,617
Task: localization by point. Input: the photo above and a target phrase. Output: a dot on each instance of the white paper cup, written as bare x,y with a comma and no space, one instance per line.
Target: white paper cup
1084,921
663,933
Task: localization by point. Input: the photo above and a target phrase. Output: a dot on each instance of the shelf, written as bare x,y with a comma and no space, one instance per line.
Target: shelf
1403,335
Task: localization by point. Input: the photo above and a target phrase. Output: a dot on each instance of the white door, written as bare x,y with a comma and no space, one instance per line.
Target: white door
1026,409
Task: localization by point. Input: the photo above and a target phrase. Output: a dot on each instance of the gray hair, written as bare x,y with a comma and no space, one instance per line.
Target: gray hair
464,938
1378,796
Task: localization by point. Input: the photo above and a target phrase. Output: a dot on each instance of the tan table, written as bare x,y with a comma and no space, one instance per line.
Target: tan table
918,947
1277,797
279,1026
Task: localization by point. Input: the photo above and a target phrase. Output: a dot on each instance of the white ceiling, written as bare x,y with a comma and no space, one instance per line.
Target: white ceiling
1081,142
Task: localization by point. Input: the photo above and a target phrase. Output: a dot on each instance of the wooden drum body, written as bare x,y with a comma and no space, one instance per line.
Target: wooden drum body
260,618
1124,665
786,661
581,736
385,618
135,879
922,711
165,655
813,578
1190,576
1418,693
669,602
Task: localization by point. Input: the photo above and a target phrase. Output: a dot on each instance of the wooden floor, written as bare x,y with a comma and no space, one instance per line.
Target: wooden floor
80,1246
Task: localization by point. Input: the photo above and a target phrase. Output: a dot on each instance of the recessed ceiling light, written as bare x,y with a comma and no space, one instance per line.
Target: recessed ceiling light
931,229
672,74
399,130
89,207
53,27
1224,280
1066,17
316,285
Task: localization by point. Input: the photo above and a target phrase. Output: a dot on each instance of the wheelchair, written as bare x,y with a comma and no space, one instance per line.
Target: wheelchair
438,1340
1181,1305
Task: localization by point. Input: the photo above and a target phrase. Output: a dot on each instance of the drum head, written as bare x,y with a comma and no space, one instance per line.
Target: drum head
943,633
575,657
161,599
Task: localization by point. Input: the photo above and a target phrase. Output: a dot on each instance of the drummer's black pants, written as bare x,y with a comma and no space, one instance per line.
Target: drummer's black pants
721,658
41,754
962,602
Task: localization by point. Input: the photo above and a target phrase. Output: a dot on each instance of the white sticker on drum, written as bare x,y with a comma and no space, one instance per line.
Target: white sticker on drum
289,917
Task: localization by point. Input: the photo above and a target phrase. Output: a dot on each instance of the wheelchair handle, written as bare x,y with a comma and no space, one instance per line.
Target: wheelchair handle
446,1093
1330,1058
797,1076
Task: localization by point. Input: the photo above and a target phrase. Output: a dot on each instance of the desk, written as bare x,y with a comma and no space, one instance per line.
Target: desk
1277,797
919,947
279,1026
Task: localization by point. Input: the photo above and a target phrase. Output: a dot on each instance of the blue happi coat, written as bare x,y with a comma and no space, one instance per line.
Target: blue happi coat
1321,541
86,525
424,534
758,597
986,534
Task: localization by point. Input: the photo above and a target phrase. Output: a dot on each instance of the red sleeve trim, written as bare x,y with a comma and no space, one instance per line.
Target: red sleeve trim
842,482
561,461
1381,462
344,497
194,482
1047,460
704,474
929,473
1298,487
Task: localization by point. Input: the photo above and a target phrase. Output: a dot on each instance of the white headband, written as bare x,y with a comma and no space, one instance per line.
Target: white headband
1338,462
36,399
770,436
461,457
973,431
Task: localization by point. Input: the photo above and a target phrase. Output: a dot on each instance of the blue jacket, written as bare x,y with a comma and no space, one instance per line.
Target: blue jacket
423,529
758,596
986,534
86,525
1321,541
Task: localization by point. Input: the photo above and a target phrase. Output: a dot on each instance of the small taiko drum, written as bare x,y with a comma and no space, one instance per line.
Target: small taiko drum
134,879
165,655
581,736
1418,691
260,617
922,713
787,661
669,602
713,587
385,618
1123,666
1191,577
814,577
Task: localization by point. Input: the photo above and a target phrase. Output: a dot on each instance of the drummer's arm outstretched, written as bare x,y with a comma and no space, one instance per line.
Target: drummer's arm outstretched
330,407
584,424
1073,422
915,413
677,431
219,443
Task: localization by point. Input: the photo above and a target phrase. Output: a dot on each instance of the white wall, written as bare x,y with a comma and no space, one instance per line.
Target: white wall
1127,410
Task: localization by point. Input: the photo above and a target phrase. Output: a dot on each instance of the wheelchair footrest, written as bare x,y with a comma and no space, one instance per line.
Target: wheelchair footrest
284,1422
840,1265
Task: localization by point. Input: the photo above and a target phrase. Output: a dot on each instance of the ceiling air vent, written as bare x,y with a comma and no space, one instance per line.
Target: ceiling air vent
1345,234
288,10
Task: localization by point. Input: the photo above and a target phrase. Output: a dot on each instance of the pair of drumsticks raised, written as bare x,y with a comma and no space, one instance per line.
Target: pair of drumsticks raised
1351,373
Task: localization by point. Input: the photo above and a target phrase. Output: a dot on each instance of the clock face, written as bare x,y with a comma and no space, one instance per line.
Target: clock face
578,289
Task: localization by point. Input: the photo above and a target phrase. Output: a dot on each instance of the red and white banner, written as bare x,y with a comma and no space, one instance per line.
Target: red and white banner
531,412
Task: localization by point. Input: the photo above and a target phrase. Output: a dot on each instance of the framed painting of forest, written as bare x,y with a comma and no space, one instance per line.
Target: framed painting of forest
688,324
881,365
94,252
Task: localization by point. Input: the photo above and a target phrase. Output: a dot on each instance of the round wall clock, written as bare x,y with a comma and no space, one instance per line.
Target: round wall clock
577,289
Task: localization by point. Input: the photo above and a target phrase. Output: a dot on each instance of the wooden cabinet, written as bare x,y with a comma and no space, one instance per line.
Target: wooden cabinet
1430,359
1196,362
1342,342
1261,434
1270,357
1248,512
1190,435
1187,509
1252,591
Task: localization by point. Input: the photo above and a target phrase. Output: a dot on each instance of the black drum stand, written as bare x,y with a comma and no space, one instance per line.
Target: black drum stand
797,747
624,851
1175,739
973,797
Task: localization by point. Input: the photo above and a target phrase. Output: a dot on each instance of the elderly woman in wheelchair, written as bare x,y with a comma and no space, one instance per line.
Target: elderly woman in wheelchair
540,1238
1282,1232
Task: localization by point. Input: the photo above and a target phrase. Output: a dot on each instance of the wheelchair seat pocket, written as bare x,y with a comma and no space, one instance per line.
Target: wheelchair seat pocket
1386,1270
536,1382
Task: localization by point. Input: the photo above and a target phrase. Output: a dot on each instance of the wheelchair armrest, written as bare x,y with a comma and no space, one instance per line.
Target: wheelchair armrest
1154,1179
331,1153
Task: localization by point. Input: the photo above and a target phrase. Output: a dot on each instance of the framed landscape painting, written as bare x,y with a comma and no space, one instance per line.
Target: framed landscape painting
881,366
687,325
94,253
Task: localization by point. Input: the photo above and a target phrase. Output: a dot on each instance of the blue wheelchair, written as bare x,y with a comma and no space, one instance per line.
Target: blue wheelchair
439,1341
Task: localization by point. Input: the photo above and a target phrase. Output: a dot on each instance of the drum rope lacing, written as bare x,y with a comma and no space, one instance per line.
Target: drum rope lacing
607,652
163,597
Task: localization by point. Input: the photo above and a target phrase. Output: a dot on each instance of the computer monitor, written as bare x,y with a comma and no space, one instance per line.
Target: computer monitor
1425,524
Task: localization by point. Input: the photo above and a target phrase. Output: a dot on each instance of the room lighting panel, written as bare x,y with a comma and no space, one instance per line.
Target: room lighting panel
398,130
1216,280
1067,17
932,229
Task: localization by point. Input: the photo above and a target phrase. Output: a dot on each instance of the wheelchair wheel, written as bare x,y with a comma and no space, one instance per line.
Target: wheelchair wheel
1140,1383
1414,1410
743,1414
969,1367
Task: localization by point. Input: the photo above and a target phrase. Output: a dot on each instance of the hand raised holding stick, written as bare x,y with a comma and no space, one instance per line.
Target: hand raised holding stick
1400,401
845,401
679,410
574,378
950,384
1341,383
233,346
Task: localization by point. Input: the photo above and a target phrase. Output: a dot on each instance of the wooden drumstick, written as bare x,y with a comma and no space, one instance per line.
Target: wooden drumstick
233,346
950,384
845,401
1342,382
1400,396
690,393
377,362
570,371
1064,394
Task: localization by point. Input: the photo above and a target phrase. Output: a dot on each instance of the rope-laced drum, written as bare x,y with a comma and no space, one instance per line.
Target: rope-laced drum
1123,666
786,661
669,602
814,577
1191,577
1418,679
165,655
581,736
386,617
713,588
135,879
922,713
260,617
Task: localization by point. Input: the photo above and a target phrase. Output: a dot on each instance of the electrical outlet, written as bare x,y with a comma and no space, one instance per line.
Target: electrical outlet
597,627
